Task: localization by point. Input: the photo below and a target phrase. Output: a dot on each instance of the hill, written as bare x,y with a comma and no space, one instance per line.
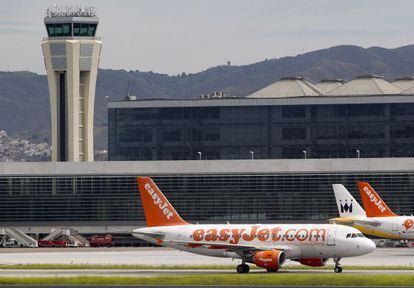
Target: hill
25,102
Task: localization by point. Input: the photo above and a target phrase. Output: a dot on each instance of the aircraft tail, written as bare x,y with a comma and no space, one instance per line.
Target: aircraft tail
158,211
372,202
347,205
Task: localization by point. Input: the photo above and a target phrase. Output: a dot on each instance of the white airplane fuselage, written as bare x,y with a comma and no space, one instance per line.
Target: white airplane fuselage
297,240
377,221
395,227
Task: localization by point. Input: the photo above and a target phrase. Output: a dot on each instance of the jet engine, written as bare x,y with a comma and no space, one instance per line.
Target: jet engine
271,260
313,262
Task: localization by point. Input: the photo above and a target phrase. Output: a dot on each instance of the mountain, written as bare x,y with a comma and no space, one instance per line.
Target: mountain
24,98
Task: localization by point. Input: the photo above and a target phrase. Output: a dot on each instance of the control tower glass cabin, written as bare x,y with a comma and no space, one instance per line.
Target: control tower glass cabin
71,54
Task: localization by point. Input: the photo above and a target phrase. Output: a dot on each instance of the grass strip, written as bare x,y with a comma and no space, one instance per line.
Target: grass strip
234,279
188,267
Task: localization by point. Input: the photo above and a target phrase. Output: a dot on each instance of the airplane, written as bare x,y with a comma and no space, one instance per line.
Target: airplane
267,246
377,219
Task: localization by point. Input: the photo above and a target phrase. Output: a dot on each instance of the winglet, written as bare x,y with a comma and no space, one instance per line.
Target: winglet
158,211
373,204
347,205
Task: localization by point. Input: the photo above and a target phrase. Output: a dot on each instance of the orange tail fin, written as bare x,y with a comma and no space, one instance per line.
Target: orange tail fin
373,204
158,211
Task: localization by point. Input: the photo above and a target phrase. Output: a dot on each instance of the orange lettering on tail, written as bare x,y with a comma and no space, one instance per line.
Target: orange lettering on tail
158,211
373,204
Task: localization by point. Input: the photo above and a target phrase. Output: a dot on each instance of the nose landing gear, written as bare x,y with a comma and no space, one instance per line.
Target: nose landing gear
338,268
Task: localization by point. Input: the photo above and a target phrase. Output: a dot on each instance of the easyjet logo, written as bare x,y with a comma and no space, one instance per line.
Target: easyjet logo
233,236
375,200
157,201
408,224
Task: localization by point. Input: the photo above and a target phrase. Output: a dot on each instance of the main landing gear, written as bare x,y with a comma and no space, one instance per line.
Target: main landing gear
243,268
338,268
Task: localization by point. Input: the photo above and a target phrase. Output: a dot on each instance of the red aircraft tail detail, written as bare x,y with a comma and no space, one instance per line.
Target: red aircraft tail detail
157,209
373,204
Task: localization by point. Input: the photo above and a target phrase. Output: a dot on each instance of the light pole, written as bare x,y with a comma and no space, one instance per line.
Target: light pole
304,153
358,153
252,154
199,155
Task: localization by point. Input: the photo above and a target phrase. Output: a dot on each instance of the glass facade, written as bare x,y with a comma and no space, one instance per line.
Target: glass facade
213,198
71,29
270,132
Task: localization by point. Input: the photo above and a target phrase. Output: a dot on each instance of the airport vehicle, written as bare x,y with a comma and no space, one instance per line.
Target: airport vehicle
268,246
101,241
377,219
53,243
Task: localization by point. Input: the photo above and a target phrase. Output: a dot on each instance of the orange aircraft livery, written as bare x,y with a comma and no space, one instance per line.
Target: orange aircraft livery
376,218
265,245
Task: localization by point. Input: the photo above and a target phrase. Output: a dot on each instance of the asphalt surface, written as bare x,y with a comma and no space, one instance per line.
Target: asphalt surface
163,256
151,273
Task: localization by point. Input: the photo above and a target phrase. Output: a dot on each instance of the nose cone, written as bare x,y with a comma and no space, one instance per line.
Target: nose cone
366,246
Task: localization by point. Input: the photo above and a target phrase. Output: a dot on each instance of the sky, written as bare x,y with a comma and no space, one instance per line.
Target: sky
175,36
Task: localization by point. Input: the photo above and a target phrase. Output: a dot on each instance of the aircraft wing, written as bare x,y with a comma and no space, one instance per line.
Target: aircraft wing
355,221
242,250
151,234
367,222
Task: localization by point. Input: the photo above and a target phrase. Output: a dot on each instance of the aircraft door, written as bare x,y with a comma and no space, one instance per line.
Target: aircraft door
181,234
331,236
395,225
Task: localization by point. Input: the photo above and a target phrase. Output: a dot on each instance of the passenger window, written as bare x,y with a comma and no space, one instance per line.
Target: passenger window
348,235
354,235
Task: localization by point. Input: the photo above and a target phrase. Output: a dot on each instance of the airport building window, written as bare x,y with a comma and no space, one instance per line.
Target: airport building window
293,112
59,29
294,133
402,109
134,134
366,110
332,131
402,131
171,135
198,198
366,132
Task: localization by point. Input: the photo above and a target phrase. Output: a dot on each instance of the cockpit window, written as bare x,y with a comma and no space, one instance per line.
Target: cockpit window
355,235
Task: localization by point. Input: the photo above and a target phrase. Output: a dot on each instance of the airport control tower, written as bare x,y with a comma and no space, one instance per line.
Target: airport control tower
71,53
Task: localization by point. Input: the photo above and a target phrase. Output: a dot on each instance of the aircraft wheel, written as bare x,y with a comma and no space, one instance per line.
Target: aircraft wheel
338,269
243,268
272,270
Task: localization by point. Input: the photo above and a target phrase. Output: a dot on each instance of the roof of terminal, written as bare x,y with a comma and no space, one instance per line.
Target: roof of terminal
361,85
404,82
364,89
288,87
366,85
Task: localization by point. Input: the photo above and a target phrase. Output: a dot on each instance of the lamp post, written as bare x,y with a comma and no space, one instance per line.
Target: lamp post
199,155
304,153
252,154
358,153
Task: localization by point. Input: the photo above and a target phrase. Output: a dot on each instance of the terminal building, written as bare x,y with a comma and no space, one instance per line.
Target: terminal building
292,118
251,166
102,197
